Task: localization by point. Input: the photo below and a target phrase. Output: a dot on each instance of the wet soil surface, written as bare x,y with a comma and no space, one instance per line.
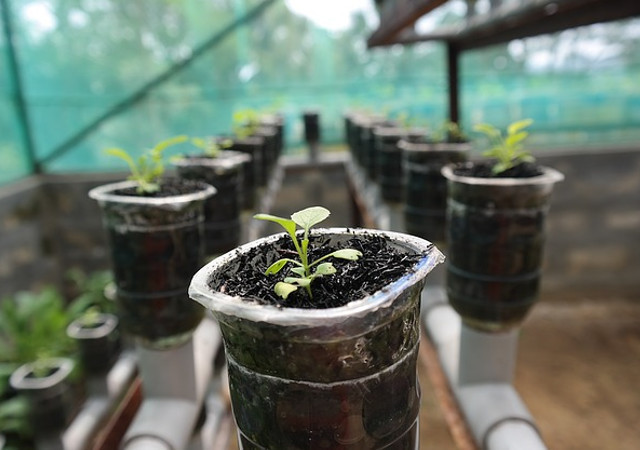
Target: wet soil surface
169,187
484,170
379,265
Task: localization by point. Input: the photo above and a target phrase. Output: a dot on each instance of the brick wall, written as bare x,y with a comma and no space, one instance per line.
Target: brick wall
48,224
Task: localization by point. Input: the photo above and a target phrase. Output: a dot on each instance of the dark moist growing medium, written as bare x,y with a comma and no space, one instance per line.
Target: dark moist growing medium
169,187
380,265
483,170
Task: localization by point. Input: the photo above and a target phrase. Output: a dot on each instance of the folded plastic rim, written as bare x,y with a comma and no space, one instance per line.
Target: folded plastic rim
548,176
105,193
200,291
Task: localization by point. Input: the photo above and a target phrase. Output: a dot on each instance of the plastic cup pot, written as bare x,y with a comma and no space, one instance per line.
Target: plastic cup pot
390,172
51,392
222,223
341,377
254,172
425,188
495,236
270,147
98,341
156,245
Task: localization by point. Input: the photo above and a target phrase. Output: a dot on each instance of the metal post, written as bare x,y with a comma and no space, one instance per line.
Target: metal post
453,57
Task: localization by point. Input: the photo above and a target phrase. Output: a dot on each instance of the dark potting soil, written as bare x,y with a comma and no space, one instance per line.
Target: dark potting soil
379,265
483,170
169,187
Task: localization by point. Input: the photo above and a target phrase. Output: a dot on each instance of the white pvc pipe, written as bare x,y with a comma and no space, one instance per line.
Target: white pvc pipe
174,384
514,435
497,418
487,357
166,422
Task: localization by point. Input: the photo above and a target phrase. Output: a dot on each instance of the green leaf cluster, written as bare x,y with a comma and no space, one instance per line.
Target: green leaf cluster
91,299
211,146
304,271
14,416
149,167
507,150
450,132
33,326
244,122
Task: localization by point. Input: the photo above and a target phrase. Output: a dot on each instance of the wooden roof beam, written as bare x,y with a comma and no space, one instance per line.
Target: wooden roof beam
510,22
397,17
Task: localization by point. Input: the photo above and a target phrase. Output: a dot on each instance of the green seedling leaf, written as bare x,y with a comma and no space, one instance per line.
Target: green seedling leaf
513,140
288,224
120,153
309,217
306,218
149,167
284,289
507,150
163,145
325,269
298,271
276,267
515,127
487,129
347,253
304,282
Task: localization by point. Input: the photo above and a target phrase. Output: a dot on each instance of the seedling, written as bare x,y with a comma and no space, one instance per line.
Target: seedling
304,271
211,146
245,122
507,150
150,166
452,133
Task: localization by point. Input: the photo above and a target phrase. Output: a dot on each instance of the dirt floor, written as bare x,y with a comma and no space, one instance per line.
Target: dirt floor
578,372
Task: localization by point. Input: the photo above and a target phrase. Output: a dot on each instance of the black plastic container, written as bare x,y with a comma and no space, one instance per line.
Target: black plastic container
389,158
98,342
54,396
270,151
425,188
495,236
276,121
225,172
254,170
311,121
369,134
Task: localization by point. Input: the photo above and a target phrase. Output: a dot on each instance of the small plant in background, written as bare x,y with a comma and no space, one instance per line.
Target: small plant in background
150,165
305,271
451,132
33,327
14,418
507,150
211,146
245,122
91,292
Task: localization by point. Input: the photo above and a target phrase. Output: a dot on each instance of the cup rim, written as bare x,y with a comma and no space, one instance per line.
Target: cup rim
105,193
200,291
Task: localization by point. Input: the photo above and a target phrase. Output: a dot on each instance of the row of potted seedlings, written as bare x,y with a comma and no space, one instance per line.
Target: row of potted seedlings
405,164
489,213
317,329
161,228
158,238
